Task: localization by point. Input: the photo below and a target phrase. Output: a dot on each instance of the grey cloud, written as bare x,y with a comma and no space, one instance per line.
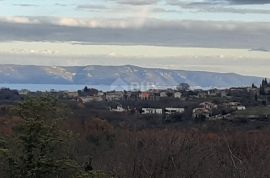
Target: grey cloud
260,50
195,4
91,6
219,2
25,5
164,10
61,4
235,10
159,33
226,6
137,2
249,1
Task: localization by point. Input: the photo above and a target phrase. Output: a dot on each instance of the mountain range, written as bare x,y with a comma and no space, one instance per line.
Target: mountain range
120,75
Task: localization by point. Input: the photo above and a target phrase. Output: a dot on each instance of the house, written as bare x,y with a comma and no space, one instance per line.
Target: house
151,111
201,113
118,109
170,111
144,96
253,91
88,99
239,92
23,92
235,106
208,105
163,94
114,96
100,93
241,108
204,111
178,95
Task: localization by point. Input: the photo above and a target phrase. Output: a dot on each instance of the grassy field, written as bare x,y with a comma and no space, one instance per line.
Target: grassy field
261,110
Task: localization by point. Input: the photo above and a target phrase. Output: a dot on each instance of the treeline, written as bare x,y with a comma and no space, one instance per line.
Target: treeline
37,145
41,140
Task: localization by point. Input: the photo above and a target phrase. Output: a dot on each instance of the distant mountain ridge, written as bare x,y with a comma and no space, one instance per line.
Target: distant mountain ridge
128,74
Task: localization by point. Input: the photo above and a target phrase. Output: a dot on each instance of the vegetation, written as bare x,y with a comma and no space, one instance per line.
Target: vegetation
46,137
260,110
39,147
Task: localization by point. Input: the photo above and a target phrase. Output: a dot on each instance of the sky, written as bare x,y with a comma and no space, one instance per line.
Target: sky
206,35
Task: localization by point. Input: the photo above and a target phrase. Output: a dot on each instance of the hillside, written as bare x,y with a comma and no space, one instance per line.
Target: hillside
119,75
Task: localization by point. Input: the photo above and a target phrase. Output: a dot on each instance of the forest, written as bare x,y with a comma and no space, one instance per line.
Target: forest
43,137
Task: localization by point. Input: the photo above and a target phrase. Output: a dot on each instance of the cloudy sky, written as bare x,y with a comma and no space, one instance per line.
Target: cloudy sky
207,35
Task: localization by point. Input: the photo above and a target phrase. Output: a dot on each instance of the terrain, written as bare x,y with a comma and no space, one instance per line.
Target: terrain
120,75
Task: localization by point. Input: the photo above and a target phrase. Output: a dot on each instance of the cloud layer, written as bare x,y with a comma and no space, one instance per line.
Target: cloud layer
137,2
249,1
135,32
221,2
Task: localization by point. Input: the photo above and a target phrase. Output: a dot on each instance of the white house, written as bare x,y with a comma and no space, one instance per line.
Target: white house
163,94
151,111
235,106
118,109
177,95
241,108
174,110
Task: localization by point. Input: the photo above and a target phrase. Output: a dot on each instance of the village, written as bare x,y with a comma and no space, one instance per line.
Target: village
180,103
198,104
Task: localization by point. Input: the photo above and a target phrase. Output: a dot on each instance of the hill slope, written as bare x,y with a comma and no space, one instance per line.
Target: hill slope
107,75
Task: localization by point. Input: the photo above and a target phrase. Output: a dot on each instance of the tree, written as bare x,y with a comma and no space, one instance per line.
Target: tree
253,85
38,148
88,92
183,87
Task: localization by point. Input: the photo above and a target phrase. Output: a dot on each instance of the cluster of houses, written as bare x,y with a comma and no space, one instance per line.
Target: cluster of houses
205,110
167,111
153,95
156,94
158,111
209,110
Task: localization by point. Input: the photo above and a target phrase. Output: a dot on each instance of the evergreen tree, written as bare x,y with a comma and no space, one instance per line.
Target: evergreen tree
38,149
